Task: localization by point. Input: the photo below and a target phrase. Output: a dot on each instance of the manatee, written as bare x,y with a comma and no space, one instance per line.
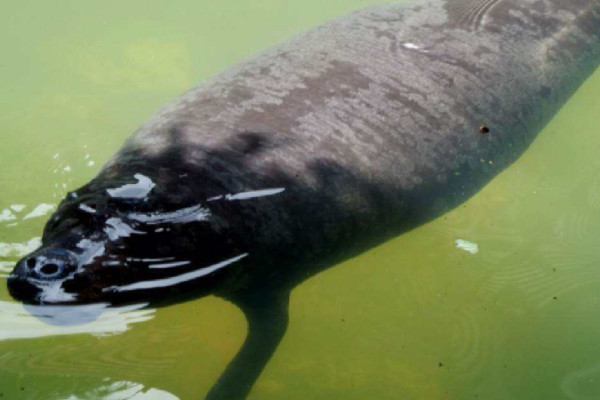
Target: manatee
309,153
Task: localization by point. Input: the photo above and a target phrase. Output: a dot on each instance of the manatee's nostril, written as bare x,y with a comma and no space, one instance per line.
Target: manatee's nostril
49,269
31,263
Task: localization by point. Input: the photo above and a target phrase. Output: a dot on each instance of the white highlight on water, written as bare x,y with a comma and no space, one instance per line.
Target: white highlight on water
17,207
19,249
40,210
6,266
20,322
7,215
465,245
124,390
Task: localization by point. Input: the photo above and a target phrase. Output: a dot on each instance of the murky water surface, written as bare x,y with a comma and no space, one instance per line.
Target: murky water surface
498,299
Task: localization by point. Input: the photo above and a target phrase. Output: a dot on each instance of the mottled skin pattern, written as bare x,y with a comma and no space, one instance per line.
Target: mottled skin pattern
372,124
371,121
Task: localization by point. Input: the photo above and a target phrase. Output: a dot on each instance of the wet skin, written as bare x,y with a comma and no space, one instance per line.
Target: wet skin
311,153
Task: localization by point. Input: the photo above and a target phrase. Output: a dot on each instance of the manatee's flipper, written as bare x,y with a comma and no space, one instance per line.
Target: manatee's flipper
267,316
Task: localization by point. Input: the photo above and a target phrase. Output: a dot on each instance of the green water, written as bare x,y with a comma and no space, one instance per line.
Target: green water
415,318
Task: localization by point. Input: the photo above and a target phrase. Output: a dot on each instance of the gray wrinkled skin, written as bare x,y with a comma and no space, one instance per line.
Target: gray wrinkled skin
375,116
358,91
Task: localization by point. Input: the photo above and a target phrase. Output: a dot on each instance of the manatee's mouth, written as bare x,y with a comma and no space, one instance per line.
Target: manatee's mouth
23,290
112,281
37,291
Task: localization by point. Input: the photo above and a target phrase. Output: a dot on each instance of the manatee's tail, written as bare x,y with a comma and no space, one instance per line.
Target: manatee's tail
267,316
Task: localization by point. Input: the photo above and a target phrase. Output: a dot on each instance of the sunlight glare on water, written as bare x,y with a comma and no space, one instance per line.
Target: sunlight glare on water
415,318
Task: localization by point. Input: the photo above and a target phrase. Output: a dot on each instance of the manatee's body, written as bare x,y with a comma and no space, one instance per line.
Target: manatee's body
372,122
311,152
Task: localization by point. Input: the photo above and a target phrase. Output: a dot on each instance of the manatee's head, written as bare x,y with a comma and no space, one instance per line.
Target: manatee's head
125,239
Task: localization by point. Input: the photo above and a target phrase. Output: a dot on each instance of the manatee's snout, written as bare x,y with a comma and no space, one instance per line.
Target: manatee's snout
39,270
47,264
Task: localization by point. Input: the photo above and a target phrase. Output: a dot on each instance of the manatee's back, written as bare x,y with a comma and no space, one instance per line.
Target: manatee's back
392,112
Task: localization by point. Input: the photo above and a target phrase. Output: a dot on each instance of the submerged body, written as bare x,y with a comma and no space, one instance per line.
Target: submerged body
311,152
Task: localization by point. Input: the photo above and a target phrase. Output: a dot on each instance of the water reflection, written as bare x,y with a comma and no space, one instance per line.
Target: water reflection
16,250
24,322
123,390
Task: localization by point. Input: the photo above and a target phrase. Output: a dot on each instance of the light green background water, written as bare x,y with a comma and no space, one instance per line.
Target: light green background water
416,318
